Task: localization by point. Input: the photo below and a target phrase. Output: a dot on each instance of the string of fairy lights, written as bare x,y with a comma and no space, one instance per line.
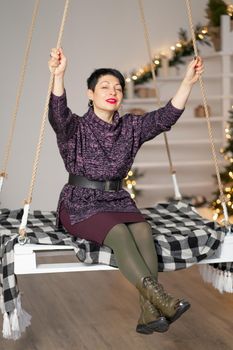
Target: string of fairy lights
130,182
183,47
173,56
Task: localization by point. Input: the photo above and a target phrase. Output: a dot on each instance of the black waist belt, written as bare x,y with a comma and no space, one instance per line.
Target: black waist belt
82,181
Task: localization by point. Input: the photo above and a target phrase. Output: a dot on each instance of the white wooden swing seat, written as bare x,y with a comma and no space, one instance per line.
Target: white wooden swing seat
25,258
223,254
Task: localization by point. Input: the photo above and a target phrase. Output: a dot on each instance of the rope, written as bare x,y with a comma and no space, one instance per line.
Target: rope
22,231
203,93
3,173
157,95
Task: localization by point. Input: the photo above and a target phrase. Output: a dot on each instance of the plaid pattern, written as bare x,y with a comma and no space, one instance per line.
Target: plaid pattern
182,238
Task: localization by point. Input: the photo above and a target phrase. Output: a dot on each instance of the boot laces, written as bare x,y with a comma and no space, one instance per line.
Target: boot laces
159,288
147,304
152,308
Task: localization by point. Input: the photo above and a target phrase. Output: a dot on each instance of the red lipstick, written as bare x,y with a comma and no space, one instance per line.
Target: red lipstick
111,100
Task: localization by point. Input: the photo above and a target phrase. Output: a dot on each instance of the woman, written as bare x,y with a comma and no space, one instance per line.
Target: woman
98,150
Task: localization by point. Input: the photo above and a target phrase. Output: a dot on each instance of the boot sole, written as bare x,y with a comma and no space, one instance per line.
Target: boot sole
160,326
181,309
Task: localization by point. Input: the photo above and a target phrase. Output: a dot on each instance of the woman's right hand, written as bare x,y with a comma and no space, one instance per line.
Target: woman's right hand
58,62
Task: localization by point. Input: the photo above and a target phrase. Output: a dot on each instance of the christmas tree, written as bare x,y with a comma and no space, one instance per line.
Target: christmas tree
227,173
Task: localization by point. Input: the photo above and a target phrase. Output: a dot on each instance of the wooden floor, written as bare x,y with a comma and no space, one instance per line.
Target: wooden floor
99,311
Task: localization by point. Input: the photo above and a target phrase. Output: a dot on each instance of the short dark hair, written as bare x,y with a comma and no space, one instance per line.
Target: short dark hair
94,77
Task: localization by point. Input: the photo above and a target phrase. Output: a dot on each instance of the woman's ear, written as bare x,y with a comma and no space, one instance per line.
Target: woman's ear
90,94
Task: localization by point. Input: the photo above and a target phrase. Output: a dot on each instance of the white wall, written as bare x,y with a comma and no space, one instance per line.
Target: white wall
97,34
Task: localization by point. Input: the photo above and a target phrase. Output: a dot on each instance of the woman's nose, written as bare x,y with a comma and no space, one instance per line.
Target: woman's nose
113,91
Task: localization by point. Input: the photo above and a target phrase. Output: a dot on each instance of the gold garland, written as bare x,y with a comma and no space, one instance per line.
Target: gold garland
182,48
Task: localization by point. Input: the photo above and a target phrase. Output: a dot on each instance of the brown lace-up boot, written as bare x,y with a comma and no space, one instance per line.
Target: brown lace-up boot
168,306
150,319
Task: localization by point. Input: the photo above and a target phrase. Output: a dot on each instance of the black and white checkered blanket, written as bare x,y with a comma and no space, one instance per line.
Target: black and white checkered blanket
182,238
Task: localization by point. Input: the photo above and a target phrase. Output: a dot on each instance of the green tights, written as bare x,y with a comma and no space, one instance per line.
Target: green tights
134,250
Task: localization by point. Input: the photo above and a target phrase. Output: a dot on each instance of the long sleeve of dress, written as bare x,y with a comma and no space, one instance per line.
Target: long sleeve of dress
153,123
62,120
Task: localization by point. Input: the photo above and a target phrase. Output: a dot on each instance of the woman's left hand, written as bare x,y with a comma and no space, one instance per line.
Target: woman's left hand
194,70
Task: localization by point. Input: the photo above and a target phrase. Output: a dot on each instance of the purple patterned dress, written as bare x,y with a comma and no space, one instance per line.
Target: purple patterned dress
102,151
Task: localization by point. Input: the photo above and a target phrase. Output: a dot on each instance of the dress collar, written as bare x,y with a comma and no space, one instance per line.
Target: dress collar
93,118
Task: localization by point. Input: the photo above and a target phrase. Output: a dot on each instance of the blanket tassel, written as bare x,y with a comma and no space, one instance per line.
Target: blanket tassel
221,280
15,322
24,317
228,282
6,330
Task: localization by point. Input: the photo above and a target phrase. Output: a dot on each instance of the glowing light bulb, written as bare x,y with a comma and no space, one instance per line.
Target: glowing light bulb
230,10
204,30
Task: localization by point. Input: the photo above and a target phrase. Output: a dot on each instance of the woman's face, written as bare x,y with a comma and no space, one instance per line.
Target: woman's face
107,95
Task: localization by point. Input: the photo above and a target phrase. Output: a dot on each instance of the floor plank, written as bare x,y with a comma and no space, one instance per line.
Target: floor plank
99,310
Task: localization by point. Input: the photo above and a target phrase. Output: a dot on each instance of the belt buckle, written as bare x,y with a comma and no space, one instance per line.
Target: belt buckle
107,187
